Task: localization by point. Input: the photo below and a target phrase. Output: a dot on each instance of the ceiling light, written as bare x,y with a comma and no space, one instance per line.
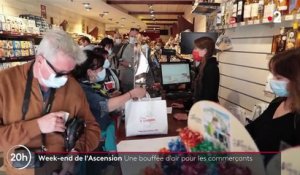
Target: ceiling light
153,19
88,9
123,19
122,25
151,11
86,4
150,6
152,15
105,13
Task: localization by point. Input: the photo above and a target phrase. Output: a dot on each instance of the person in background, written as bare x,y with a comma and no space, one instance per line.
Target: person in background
90,75
279,124
46,77
108,45
110,84
206,82
85,43
126,57
117,43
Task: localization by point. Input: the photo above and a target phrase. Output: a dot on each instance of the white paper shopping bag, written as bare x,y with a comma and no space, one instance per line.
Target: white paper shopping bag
146,117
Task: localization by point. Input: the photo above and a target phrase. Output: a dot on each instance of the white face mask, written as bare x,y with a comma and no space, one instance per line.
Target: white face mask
109,51
118,41
106,64
197,63
101,75
132,40
54,82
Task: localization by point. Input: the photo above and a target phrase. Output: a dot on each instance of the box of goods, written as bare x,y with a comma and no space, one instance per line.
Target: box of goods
25,52
1,44
16,44
17,53
8,44
2,18
30,44
31,23
6,26
36,30
1,53
9,53
31,52
24,45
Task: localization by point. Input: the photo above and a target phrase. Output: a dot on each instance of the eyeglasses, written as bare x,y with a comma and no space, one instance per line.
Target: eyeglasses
58,74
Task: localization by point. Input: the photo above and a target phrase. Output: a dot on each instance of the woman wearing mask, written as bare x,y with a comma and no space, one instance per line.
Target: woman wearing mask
206,82
88,75
279,124
108,44
110,83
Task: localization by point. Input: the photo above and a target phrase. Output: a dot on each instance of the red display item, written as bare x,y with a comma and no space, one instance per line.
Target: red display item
190,138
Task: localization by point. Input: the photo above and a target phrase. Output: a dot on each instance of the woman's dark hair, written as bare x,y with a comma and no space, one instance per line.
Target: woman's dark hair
106,41
287,64
206,43
85,38
94,61
100,50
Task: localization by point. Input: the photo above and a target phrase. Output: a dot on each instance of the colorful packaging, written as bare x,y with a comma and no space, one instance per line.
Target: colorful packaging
16,44
17,53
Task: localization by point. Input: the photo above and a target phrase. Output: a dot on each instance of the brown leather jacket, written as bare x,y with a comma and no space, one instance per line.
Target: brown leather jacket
15,131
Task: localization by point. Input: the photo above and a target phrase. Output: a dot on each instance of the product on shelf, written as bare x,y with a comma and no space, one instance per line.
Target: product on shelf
269,9
247,10
254,9
240,11
292,37
279,41
234,12
283,6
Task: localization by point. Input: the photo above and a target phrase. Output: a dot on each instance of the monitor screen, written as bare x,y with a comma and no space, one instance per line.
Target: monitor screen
188,38
175,73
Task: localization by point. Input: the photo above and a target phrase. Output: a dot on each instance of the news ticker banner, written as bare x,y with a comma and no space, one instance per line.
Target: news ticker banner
143,163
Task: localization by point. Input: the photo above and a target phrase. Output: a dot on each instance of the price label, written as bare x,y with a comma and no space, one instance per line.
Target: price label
298,16
289,17
256,21
242,23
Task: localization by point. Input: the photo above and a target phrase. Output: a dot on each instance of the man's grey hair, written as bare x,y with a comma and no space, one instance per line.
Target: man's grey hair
58,40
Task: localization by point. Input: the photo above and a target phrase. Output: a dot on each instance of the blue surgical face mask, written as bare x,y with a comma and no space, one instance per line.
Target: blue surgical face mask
106,64
279,87
101,75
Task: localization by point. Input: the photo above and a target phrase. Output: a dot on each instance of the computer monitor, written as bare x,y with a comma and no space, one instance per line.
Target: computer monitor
175,73
188,38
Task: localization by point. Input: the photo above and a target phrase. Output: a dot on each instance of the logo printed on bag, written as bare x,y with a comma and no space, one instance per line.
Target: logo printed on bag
147,121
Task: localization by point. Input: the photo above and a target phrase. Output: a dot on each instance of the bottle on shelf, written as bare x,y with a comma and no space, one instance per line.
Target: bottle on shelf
282,40
240,11
247,10
292,37
254,9
261,6
269,9
234,12
283,6
222,7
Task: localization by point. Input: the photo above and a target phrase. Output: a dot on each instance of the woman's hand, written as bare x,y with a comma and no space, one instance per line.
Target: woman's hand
137,92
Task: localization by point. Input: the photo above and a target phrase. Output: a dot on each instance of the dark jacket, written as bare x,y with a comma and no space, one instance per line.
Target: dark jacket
210,82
